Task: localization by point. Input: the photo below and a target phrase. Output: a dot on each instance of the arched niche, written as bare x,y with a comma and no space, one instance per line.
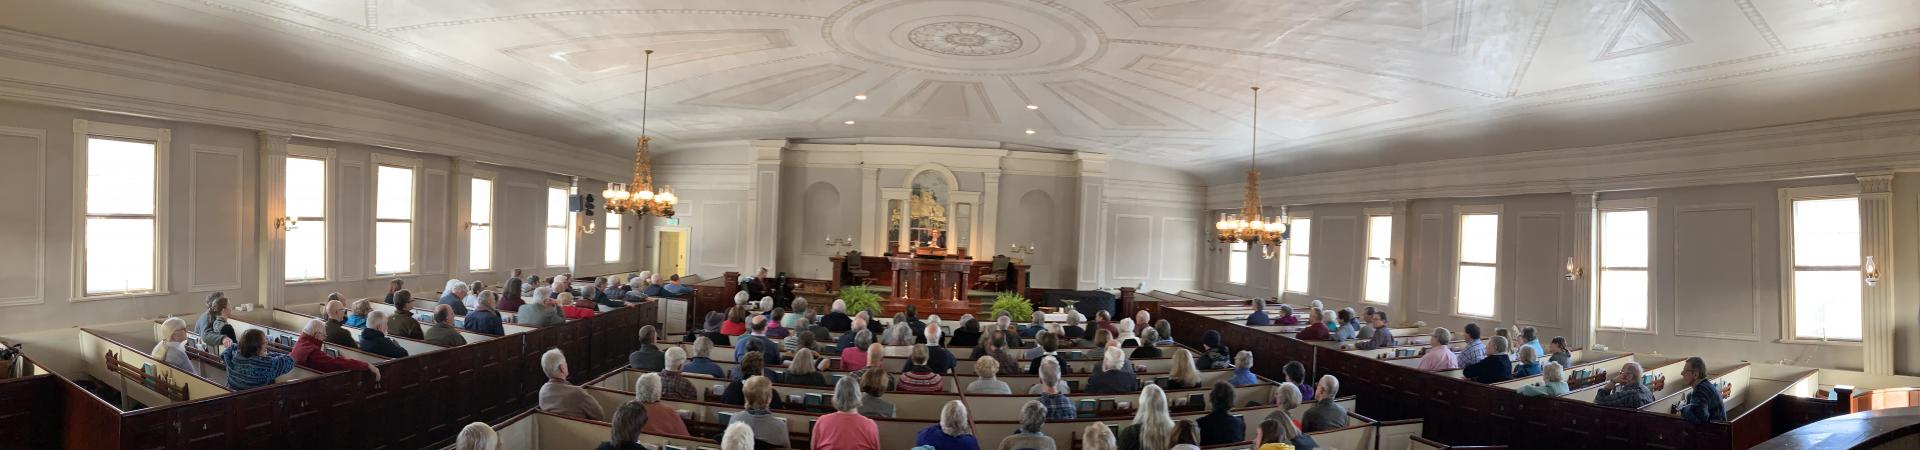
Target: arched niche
928,208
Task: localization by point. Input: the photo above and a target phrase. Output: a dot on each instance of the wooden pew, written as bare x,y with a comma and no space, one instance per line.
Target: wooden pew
540,430
287,319
273,333
102,354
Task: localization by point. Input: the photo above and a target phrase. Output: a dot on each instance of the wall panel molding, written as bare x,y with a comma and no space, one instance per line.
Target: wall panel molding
199,276
1724,279
1536,279
27,183
1132,257
1179,236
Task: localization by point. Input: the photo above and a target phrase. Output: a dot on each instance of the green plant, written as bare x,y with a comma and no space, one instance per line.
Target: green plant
1017,307
861,298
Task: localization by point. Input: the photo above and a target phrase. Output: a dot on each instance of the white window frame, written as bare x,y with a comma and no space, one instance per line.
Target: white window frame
327,157
1238,250
373,214
1367,257
1286,254
566,225
614,236
1459,217
1787,196
1652,206
493,211
162,140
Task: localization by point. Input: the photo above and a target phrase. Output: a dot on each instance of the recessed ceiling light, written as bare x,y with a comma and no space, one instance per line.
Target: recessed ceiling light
859,96
1030,131
848,122
1033,106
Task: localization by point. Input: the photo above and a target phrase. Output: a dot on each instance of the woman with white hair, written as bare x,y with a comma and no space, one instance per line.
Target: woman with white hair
1440,356
739,436
1073,330
1127,334
1552,382
771,429
1243,370
954,432
560,396
988,369
308,353
836,319
1033,415
1152,427
662,419
1148,344
477,436
172,348
1096,437
455,295
1528,364
1113,377
1287,397
740,298
845,428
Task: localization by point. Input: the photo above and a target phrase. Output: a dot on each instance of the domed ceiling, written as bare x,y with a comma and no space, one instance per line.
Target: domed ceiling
1346,84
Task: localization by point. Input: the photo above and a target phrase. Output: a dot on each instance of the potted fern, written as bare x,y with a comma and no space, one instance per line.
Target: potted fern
1017,307
861,298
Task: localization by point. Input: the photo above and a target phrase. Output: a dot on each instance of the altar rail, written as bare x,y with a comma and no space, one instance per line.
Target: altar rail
438,392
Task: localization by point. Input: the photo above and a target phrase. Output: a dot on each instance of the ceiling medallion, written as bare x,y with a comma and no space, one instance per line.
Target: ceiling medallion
965,39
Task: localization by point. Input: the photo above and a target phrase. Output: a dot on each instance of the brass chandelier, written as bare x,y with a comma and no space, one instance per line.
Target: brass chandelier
1249,226
638,197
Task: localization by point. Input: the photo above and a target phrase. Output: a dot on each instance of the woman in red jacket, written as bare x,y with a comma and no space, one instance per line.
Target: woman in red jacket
1316,328
736,323
577,309
308,352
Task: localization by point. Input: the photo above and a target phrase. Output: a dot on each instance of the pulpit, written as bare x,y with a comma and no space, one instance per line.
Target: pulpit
930,278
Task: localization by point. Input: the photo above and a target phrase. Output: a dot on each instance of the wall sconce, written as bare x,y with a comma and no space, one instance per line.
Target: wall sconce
286,223
1018,249
837,243
1573,272
587,227
1872,273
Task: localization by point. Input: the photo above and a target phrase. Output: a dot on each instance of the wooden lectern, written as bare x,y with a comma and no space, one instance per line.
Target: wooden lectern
934,285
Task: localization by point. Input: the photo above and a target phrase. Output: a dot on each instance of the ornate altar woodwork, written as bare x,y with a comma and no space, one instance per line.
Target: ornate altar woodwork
879,271
921,278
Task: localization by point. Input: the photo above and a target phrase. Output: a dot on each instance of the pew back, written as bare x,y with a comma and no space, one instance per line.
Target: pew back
286,319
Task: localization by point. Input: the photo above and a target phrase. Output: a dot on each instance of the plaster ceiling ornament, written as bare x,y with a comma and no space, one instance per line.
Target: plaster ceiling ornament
964,39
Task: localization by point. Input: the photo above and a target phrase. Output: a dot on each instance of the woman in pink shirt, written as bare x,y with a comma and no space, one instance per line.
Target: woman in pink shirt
845,429
1440,356
853,358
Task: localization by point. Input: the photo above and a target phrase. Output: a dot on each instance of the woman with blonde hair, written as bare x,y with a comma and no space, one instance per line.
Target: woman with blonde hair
1185,375
172,348
1152,427
1096,437
988,369
801,370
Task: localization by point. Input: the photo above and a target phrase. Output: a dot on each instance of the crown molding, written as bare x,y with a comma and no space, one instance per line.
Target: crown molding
1813,149
41,70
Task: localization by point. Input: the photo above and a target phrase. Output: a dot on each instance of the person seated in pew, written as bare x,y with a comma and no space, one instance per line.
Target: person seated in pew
757,340
402,322
873,383
455,295
1363,332
646,392
307,352
966,335
1703,403
1286,316
477,436
698,362
1004,322
740,437
1558,353
1529,337
1259,315
673,382
1243,370
988,369
472,299
1382,337
846,428
485,317
1152,426
770,430
1113,377
1439,356
804,370
802,340
1476,349
1073,330
1286,397
1053,391
541,312
1214,356
954,432
394,287
357,313
939,358
911,317
250,365
335,314
1296,375
576,308
560,396
374,338
648,356
1186,435
710,327
995,346
1495,368
1624,389
898,334
853,353
1325,413
628,421
674,289
1316,329
774,330
802,309
1349,328
1165,329
1278,435
1553,382
918,377
1034,328
1219,426
1097,437
1142,320
836,319
1149,346
1101,340
876,362
1103,320
1033,415
1528,364
1183,375
511,298
736,323
172,348
751,366
443,332
848,339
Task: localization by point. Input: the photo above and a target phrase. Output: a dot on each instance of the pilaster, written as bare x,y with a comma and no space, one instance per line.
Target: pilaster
460,214
270,205
989,244
1586,312
765,201
873,234
1397,292
1092,229
1876,241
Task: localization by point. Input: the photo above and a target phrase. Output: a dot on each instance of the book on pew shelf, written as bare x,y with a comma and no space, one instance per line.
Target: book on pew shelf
797,399
716,390
672,447
723,417
1088,406
1161,381
813,399
1073,385
1197,399
1107,405
685,415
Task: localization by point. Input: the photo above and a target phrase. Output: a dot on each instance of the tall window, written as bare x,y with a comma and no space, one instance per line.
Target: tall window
1479,263
306,203
480,226
122,215
1826,275
614,236
1625,290
1379,259
1237,263
556,226
1299,266
393,220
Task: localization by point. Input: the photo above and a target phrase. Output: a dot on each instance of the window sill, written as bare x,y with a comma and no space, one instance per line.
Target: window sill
1649,332
1798,341
1470,316
102,297
1371,302
309,282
